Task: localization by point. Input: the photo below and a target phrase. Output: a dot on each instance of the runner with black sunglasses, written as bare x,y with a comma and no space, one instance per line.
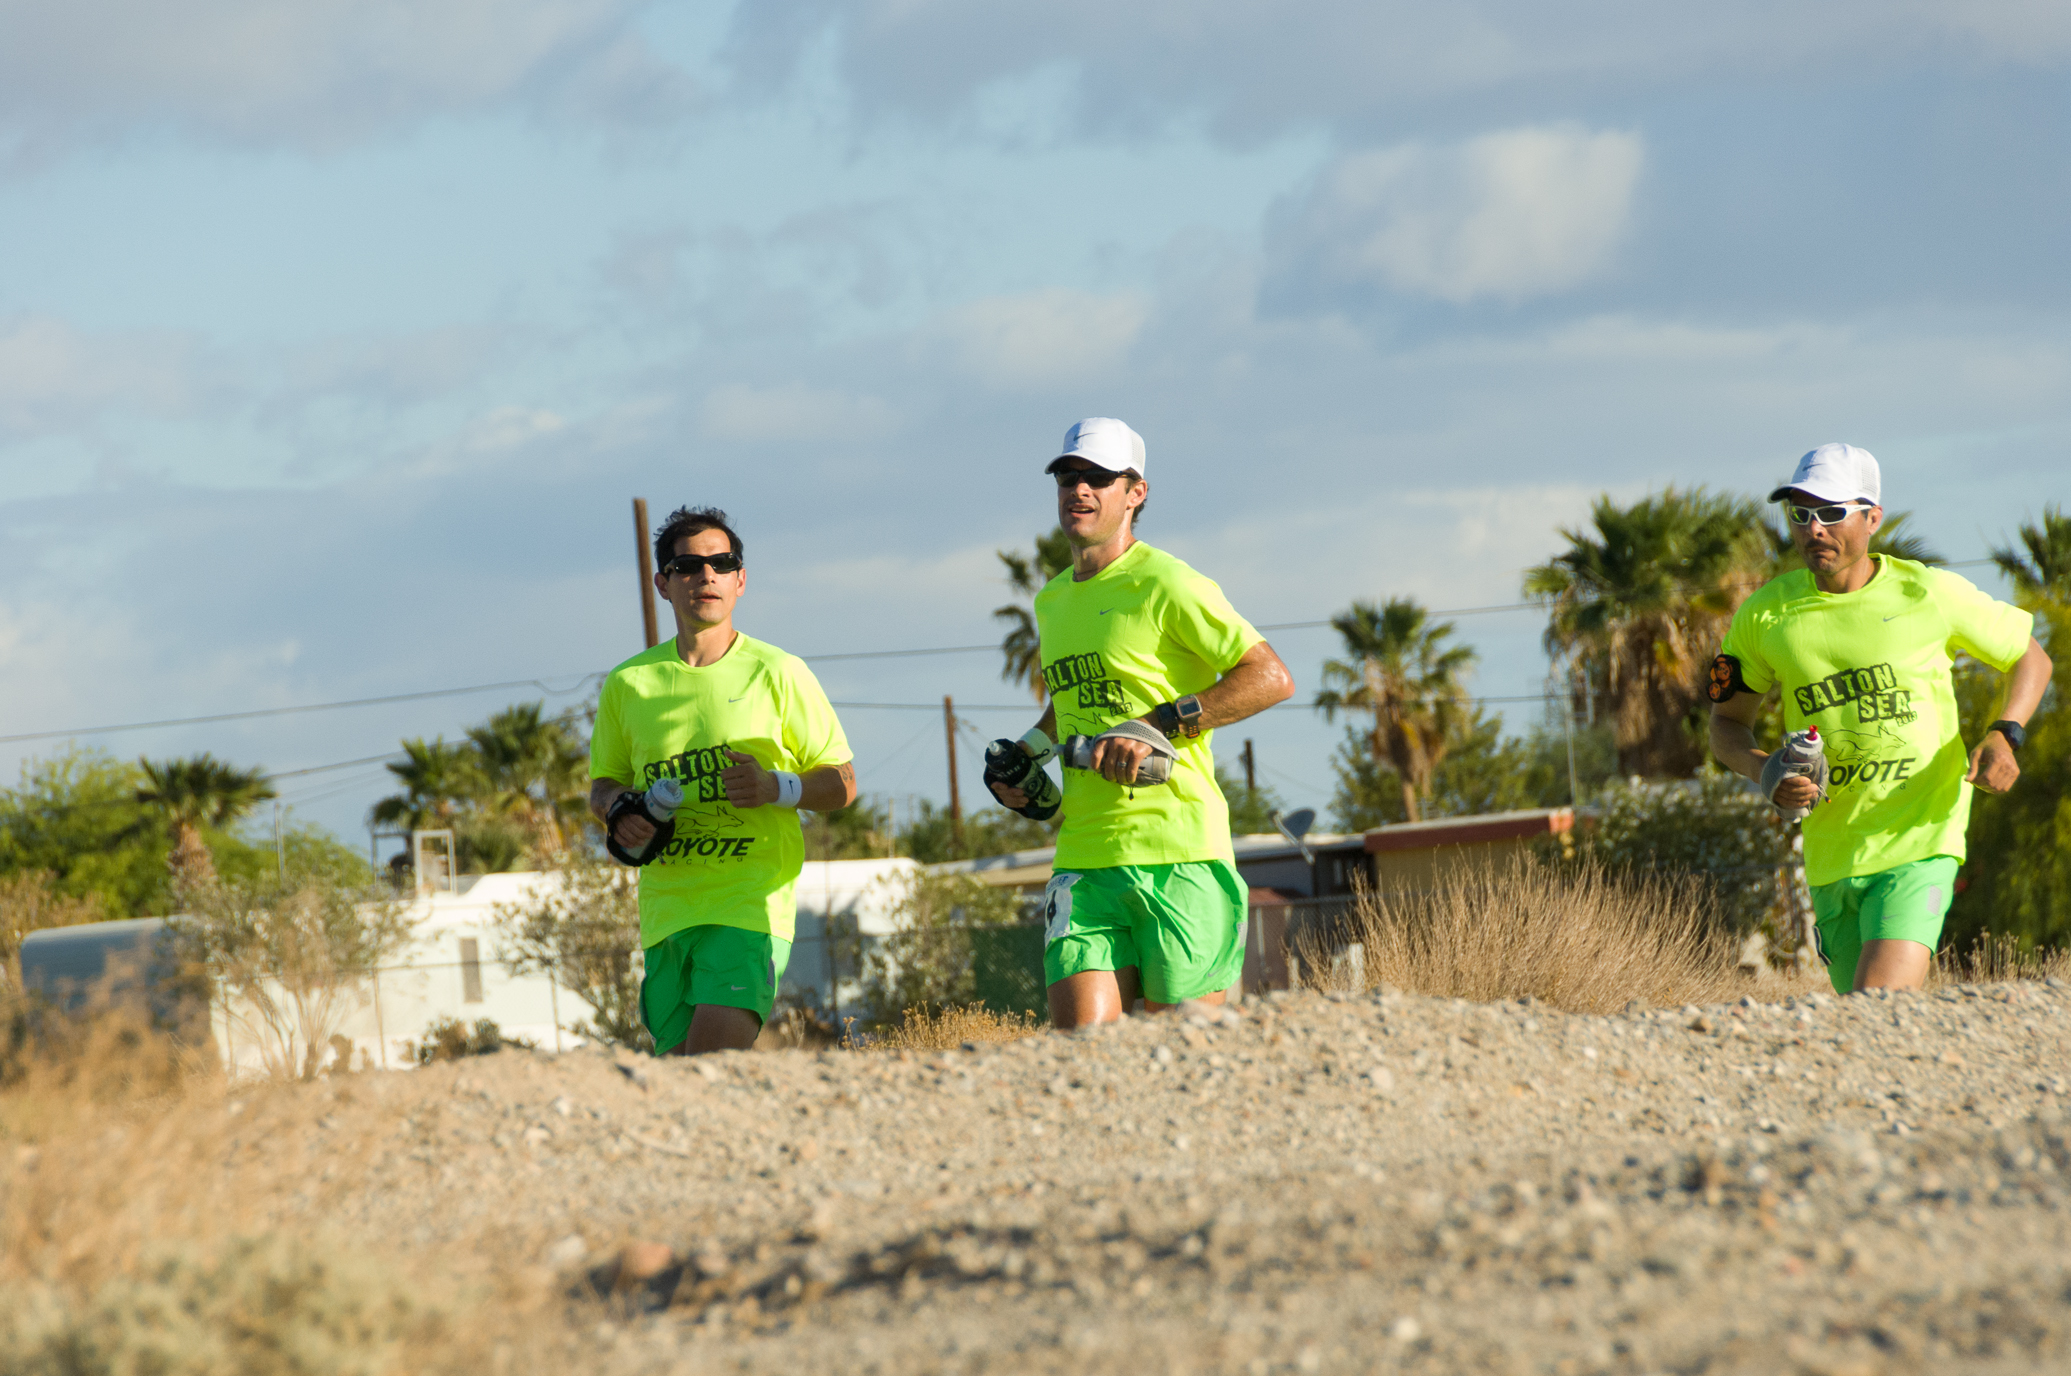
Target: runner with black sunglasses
1144,898
1860,646
747,731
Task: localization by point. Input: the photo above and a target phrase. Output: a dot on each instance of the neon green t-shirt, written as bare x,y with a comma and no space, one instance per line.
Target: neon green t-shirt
1144,630
657,715
1870,670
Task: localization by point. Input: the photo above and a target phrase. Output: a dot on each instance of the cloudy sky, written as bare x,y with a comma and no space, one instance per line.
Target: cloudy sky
335,338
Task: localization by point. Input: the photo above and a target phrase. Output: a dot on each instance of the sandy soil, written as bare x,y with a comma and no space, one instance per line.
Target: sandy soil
1868,1185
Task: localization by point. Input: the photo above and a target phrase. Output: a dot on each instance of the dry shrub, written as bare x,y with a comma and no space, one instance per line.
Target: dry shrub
271,1305
1577,937
924,1029
1994,959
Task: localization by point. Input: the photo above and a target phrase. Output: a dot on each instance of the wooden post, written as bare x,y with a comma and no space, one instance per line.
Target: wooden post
646,544
1250,768
956,806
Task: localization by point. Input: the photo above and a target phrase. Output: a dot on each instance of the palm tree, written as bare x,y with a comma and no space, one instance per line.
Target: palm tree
437,778
533,770
1401,670
2044,576
197,794
1646,594
1023,646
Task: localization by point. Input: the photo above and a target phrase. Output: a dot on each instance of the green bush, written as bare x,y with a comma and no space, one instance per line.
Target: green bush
927,960
1713,828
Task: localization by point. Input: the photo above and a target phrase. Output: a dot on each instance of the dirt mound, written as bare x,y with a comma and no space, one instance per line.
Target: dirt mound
1316,1184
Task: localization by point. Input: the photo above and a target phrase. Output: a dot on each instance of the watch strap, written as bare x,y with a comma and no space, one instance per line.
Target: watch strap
2016,734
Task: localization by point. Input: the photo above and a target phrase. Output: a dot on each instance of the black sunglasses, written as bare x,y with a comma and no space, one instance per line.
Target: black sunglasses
1095,478
687,564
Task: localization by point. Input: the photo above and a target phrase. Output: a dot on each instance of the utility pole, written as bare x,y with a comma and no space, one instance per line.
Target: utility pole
646,546
956,806
1250,768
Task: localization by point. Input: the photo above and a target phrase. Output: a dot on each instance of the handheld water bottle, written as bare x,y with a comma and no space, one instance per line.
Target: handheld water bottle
658,805
1801,756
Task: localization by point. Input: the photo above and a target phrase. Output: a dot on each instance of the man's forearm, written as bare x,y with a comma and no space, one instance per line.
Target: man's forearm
603,793
1256,682
2026,683
829,788
1733,743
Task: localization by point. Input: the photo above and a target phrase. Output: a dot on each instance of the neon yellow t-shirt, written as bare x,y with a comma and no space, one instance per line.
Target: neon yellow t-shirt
1144,630
1870,669
657,715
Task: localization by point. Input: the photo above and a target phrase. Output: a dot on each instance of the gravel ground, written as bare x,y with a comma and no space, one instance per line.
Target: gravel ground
1869,1185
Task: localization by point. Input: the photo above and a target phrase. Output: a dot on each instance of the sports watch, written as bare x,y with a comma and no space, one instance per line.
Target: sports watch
2016,735
1180,718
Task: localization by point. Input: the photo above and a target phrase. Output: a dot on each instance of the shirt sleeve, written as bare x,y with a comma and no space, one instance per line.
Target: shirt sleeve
610,757
1981,625
813,737
1743,644
1202,621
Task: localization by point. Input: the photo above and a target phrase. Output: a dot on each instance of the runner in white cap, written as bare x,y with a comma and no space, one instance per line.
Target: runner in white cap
1860,646
1145,898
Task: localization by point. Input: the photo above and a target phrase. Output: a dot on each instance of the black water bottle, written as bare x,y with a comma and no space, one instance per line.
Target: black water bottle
1007,763
658,805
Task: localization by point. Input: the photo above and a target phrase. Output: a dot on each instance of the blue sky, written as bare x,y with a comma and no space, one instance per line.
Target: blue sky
335,341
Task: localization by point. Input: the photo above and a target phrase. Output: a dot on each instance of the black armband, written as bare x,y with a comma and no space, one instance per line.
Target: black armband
1726,681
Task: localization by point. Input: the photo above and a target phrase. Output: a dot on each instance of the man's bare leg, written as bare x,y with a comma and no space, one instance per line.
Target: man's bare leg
1093,996
715,1027
1892,963
1217,997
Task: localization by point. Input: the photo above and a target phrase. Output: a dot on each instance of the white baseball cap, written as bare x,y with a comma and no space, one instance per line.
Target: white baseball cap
1836,473
1105,443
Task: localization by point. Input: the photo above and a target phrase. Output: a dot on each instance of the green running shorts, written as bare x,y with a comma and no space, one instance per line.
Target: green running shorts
1904,903
730,966
1181,926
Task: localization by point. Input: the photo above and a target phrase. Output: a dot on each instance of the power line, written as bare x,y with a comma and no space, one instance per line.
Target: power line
584,679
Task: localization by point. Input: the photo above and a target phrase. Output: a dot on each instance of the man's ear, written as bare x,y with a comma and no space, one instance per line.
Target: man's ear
1876,518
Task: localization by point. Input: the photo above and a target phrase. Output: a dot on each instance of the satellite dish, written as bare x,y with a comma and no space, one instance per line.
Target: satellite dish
1294,826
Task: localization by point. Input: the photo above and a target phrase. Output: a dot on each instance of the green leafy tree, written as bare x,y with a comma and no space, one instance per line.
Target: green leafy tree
926,961
860,831
1713,828
197,794
1484,772
1642,598
438,781
930,839
75,816
1400,669
1251,809
1026,574
2017,881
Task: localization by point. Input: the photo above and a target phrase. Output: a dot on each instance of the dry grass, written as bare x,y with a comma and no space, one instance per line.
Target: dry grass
1574,937
923,1030
1994,959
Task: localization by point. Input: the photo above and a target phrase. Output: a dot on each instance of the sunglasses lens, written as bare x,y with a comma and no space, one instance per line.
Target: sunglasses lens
689,564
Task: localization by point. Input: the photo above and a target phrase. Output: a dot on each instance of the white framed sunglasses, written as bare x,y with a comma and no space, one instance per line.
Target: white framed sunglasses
1830,515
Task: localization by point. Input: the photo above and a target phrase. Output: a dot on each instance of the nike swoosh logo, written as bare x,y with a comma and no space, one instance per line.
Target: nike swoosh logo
1893,618
738,988
744,694
1108,610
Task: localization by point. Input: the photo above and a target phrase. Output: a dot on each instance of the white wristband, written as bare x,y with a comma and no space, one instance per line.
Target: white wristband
1039,745
790,788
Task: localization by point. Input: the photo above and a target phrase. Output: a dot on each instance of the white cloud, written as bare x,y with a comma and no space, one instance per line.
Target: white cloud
792,412
1042,338
54,376
1510,215
314,72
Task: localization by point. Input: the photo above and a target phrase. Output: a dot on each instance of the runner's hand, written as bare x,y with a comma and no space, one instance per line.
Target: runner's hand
1013,799
1796,791
633,831
1118,760
1992,765
747,783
